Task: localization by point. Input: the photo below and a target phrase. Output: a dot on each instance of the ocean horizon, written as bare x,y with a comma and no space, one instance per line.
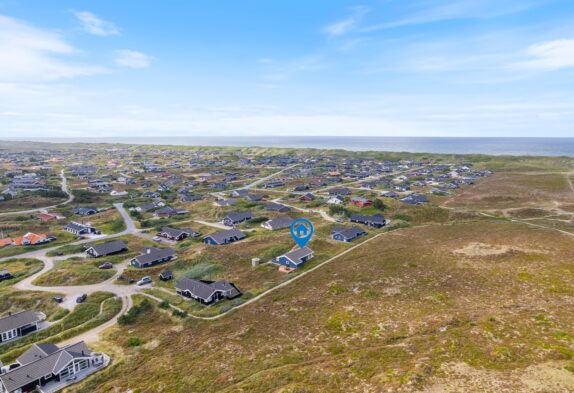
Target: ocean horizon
446,145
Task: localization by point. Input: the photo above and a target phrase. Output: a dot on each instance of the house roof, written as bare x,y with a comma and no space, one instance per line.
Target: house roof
30,238
204,290
220,237
272,206
360,200
349,232
42,363
226,202
6,241
18,320
109,247
415,199
253,197
152,254
239,216
174,232
46,216
339,191
85,209
297,255
76,226
241,192
280,222
376,219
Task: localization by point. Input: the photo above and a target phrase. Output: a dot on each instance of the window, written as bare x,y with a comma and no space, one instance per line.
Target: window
9,335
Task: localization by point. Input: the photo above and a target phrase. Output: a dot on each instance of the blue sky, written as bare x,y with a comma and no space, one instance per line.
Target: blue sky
322,67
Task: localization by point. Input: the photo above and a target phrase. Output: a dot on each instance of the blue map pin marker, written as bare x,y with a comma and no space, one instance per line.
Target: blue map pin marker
302,231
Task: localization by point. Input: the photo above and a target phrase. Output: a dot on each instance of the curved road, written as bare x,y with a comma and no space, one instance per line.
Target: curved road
72,292
64,188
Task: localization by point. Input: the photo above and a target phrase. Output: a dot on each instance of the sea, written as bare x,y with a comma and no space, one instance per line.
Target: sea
448,145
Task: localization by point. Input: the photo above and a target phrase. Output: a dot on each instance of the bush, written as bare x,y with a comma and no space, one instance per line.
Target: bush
203,270
135,341
403,217
257,220
336,210
84,196
132,315
378,204
180,314
164,305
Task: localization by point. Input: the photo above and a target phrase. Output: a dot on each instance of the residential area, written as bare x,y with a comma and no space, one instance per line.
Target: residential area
91,235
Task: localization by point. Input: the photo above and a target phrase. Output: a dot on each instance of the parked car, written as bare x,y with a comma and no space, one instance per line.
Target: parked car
58,299
107,265
82,298
144,281
156,238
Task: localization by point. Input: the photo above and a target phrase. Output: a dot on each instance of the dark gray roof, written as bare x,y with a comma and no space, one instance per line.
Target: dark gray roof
17,320
37,351
415,199
377,218
152,254
253,197
239,216
42,365
77,226
276,207
298,254
226,286
339,191
349,232
174,232
80,210
109,247
280,222
220,237
204,290
198,288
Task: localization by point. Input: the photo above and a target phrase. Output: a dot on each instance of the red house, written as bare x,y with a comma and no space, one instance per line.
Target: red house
361,202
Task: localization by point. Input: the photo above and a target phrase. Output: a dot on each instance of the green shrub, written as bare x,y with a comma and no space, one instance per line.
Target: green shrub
180,314
135,341
132,315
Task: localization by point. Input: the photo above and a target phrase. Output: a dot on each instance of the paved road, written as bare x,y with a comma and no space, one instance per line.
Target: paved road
64,188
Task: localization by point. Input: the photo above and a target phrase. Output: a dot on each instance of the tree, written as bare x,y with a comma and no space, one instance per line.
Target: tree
380,205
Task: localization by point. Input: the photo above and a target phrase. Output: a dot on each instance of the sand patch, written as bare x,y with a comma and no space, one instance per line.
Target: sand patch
545,377
476,249
482,250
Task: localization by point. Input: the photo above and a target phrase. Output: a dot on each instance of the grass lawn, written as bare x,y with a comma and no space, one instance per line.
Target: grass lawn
75,271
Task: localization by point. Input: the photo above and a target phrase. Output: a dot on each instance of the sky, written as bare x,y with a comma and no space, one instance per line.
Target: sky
135,68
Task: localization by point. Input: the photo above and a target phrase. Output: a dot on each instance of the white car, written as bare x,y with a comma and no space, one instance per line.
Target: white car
156,238
144,281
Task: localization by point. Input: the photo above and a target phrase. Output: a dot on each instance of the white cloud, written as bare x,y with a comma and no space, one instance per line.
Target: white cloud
32,54
132,59
346,25
93,25
549,56
430,11
289,69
